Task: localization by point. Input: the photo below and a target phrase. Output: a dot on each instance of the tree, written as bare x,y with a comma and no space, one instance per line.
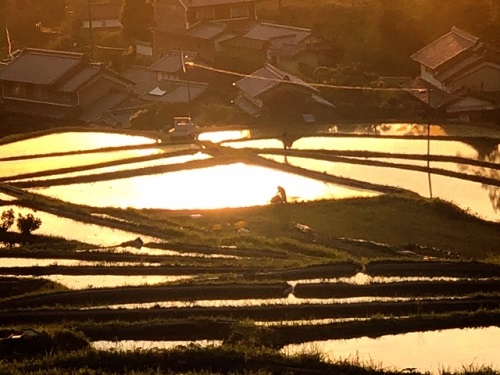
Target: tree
6,220
28,224
136,18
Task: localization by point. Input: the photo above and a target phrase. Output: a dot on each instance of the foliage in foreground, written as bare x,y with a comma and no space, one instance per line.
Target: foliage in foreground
192,359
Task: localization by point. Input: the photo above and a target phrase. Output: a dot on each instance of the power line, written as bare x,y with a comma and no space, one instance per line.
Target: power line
317,85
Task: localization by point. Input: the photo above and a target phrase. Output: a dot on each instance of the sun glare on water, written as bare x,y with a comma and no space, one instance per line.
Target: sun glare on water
234,185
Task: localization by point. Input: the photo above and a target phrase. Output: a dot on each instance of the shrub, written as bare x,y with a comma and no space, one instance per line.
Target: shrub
28,224
6,220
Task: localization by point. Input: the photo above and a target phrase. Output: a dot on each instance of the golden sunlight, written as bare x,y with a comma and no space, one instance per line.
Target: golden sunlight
234,185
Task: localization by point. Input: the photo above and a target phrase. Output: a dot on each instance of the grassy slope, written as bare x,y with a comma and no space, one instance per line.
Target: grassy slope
396,220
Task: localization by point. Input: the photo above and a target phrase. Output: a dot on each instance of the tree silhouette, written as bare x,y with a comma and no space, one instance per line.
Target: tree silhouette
27,224
136,18
7,220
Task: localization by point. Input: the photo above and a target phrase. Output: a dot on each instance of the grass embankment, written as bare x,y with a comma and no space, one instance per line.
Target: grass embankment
247,350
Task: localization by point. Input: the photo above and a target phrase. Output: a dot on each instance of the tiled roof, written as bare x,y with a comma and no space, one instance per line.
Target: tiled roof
206,30
80,78
42,67
445,48
242,42
107,102
176,91
268,31
266,78
172,63
143,78
200,3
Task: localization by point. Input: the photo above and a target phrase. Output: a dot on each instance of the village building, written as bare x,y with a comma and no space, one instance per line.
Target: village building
103,16
270,91
169,80
459,75
63,85
229,29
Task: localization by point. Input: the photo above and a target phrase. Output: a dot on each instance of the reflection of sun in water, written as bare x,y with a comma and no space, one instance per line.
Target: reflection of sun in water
234,185
219,136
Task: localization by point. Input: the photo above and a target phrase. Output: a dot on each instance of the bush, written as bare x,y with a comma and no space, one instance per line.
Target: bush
28,224
6,220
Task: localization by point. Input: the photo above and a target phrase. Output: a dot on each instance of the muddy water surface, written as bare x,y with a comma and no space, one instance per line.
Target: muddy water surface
431,351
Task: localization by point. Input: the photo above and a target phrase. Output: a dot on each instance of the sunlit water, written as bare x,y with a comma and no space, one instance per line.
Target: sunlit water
234,185
46,262
468,195
224,135
112,281
290,300
69,229
129,345
70,141
18,167
392,145
147,250
364,279
431,351
7,198
130,166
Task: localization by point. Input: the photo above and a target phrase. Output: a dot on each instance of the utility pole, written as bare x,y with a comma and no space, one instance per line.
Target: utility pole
429,140
91,37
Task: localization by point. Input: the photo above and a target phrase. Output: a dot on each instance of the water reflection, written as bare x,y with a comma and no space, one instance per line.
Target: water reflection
131,166
233,185
70,141
291,300
46,262
111,281
7,198
469,195
364,279
493,191
393,145
18,167
225,135
451,350
147,250
73,230
128,345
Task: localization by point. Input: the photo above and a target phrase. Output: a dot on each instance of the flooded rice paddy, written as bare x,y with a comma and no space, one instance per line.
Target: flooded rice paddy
47,262
289,300
129,166
232,185
77,282
10,169
431,351
180,189
73,230
131,345
69,142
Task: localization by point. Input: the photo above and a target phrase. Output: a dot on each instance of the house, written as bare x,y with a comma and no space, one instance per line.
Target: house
173,66
105,16
228,31
196,25
180,15
270,91
286,47
460,75
63,85
166,80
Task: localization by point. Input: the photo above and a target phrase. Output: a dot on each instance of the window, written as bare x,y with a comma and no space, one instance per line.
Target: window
240,11
19,90
205,13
